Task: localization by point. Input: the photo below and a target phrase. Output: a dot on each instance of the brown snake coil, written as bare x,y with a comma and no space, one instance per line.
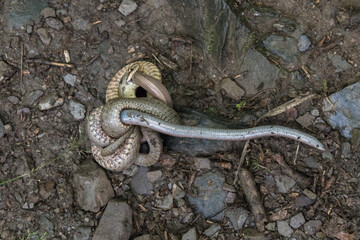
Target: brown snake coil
117,148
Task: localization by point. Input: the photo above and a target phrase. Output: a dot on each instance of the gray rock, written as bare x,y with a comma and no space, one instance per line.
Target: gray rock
120,23
346,149
177,192
17,14
4,69
2,129
312,227
271,226
144,237
77,110
339,63
54,23
70,79
46,225
213,230
115,223
13,99
49,102
306,120
315,112
48,12
355,138
260,72
282,46
297,221
92,187
131,171
284,229
210,197
31,97
140,184
309,194
165,203
154,176
80,24
127,7
232,90
28,205
311,162
327,156
237,217
82,233
253,234
304,43
343,112
44,35
284,183
190,235
302,201
202,163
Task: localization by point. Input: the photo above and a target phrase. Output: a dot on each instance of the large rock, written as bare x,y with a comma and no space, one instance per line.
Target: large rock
116,222
92,187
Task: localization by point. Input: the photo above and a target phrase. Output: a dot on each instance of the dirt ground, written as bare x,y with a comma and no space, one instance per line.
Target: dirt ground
47,146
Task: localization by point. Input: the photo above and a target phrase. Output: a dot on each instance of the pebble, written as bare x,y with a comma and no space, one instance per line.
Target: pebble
190,235
49,102
46,188
70,79
202,163
30,97
327,156
306,120
140,183
339,63
54,23
230,198
120,23
82,233
116,222
315,112
312,162
77,110
304,43
44,35
355,138
346,149
284,183
13,99
28,205
284,229
46,225
91,186
131,171
309,194
271,226
312,226
127,7
177,192
80,24
297,221
232,90
282,46
4,69
2,129
154,176
302,201
212,231
210,197
48,12
165,203
144,237
237,217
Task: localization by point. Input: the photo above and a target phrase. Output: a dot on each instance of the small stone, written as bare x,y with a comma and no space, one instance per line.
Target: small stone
48,12
309,194
49,102
284,183
82,233
31,97
312,226
271,226
46,225
177,192
80,24
13,99
327,156
237,217
315,112
232,90
355,137
213,230
154,176
202,163
339,63
230,198
92,187
190,235
2,129
140,184
45,189
120,23
7,128
54,23
70,79
44,35
284,229
306,120
115,223
127,7
77,110
165,203
297,221
29,29
346,149
144,237
28,205
304,43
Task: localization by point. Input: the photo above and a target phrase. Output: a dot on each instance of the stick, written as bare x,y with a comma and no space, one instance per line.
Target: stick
58,64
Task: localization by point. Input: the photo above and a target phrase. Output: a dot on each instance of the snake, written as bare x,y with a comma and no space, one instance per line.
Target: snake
115,146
